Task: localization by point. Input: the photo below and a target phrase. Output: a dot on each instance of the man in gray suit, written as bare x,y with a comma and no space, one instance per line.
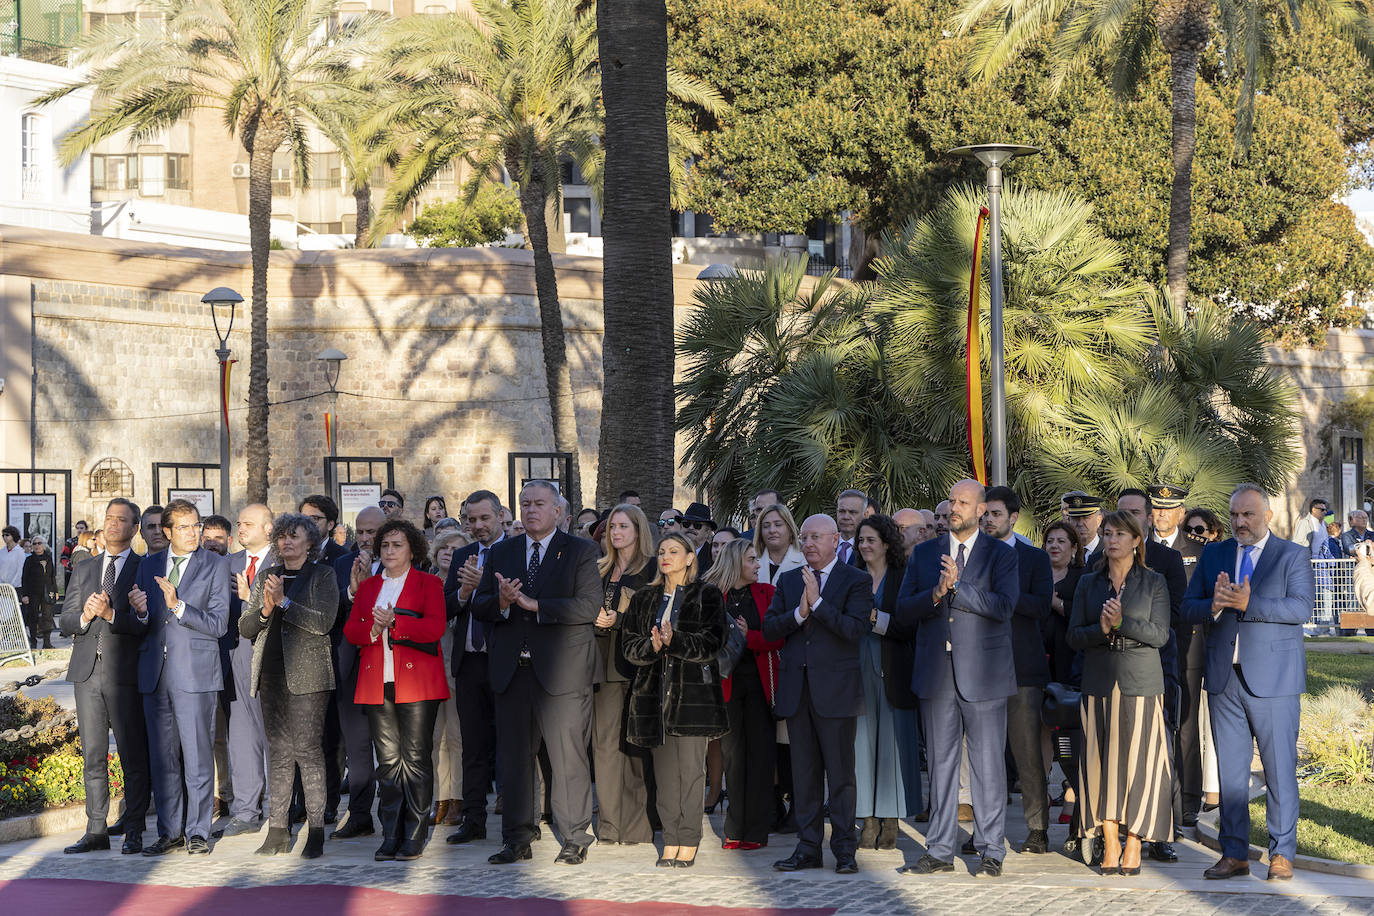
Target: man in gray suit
182,594
247,735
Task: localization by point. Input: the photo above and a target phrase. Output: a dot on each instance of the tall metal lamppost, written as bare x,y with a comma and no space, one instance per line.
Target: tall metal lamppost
223,299
993,155
333,365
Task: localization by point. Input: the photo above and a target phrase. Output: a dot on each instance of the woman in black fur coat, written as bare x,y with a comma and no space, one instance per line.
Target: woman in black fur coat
672,632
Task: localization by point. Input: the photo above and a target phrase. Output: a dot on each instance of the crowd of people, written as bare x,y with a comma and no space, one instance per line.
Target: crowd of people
615,677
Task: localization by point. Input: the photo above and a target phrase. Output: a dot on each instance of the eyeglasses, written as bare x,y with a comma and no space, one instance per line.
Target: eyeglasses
665,522
180,529
695,526
1195,529
315,518
388,504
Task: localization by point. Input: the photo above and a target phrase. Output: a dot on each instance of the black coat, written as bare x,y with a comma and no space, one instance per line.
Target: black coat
306,653
899,647
677,690
1030,620
459,611
1129,659
39,582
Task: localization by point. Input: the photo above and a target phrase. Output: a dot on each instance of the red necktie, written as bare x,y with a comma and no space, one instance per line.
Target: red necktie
252,569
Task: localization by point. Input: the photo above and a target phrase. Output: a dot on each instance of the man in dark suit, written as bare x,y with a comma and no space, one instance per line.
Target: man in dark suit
700,529
324,512
1168,563
182,594
1168,510
471,675
104,675
247,735
962,590
350,571
851,507
1032,668
1254,591
822,612
541,594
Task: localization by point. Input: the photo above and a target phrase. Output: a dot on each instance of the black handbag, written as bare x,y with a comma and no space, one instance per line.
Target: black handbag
1060,708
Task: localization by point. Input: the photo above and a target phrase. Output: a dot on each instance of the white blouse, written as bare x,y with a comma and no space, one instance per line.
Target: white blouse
389,594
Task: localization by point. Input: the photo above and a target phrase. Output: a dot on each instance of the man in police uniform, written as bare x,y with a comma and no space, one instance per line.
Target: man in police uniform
1167,500
1084,513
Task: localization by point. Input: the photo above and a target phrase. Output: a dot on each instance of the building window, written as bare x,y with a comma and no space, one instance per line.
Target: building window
153,169
579,212
331,228
179,171
31,156
113,173
281,175
326,171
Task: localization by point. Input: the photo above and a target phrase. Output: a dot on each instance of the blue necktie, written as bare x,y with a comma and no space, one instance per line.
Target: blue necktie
1247,565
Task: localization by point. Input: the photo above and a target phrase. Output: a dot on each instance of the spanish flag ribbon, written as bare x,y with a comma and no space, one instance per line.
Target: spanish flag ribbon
331,430
974,368
225,368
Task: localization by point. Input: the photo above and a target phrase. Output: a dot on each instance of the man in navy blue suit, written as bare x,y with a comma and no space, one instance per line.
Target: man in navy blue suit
821,611
1254,591
961,590
182,593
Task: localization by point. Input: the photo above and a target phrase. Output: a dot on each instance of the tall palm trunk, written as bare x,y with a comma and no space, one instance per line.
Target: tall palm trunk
362,198
1183,122
636,447
533,198
261,142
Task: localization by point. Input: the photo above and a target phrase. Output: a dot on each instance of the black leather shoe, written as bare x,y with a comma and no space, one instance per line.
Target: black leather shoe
467,832
798,861
355,827
846,865
164,845
314,843
1163,852
236,827
387,851
1189,818
411,850
968,849
538,834
1037,842
197,846
928,865
509,854
665,863
685,863
133,843
989,868
117,828
331,816
572,854
89,842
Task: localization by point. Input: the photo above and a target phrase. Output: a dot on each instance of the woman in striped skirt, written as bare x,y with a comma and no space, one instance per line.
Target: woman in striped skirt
1120,620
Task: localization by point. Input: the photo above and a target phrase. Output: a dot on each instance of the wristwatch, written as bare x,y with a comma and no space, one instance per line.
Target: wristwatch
285,603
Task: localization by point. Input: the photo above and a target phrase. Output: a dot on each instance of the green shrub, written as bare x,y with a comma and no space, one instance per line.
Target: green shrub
18,710
1334,738
459,224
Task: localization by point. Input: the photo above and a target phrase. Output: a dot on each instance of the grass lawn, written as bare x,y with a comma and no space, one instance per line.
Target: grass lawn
1326,669
1365,639
1335,822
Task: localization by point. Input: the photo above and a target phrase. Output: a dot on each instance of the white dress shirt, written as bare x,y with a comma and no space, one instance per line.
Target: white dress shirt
529,553
1092,547
954,543
823,576
389,594
1235,580
1169,541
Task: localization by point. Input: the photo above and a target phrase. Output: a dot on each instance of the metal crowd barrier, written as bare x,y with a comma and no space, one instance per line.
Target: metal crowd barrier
1338,601
14,636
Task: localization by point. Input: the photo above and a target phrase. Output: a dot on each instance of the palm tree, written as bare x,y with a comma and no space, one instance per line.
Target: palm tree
636,448
510,87
266,68
811,390
1125,32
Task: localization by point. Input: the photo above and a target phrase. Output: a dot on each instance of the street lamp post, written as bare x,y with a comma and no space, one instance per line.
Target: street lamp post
226,299
333,365
993,155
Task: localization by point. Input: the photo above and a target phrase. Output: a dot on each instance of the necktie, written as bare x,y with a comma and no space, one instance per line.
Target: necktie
107,585
533,569
959,560
844,552
252,569
175,576
474,629
1247,564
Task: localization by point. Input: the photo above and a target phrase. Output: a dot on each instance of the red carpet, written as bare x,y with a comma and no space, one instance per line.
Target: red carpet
41,895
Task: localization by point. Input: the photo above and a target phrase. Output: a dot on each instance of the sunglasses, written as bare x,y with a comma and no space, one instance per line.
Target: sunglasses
388,504
1195,529
665,522
695,526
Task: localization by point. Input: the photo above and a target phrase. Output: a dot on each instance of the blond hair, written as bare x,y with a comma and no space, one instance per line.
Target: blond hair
640,551
728,565
787,520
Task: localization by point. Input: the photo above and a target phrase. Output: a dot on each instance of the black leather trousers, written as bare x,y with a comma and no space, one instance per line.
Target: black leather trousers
403,736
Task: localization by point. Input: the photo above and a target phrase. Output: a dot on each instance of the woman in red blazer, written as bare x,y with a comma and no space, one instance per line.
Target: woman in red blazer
398,617
751,744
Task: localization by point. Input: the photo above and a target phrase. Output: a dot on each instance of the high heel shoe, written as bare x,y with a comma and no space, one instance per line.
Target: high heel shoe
1128,872
277,843
711,808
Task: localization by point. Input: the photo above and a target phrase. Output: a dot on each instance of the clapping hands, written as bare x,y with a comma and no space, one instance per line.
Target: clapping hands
661,636
1228,595
1111,615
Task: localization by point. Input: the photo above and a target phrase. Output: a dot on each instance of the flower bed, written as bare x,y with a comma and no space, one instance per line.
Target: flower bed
44,770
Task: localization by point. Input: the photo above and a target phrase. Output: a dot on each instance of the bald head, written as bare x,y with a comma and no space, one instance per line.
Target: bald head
967,503
910,523
820,538
254,527
365,526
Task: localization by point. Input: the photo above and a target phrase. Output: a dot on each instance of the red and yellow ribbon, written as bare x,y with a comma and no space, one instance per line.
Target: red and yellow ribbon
974,369
331,430
225,368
